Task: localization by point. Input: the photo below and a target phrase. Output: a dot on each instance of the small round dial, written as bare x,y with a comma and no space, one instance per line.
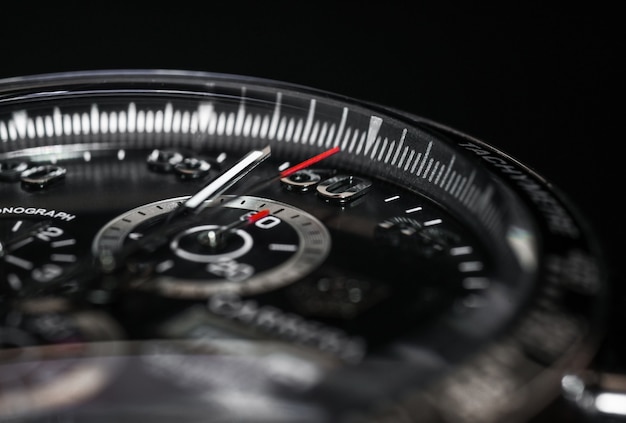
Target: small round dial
34,251
274,251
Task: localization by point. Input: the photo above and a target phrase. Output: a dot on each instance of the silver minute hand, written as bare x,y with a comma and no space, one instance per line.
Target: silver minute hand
197,202
227,179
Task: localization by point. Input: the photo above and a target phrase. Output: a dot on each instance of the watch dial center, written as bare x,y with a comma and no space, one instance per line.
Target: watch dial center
210,243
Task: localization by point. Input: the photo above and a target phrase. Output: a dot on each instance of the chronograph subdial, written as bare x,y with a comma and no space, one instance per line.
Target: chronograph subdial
412,240
34,251
282,246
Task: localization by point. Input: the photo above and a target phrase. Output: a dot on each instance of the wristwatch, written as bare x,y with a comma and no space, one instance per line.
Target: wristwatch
198,247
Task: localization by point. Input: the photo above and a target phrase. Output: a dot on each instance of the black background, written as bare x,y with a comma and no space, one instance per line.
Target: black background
541,84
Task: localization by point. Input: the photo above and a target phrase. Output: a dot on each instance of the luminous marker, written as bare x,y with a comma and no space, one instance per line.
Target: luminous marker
404,153
408,231
283,247
342,124
474,301
475,283
132,117
408,162
353,141
158,121
460,187
454,180
241,113
205,113
298,131
322,134
63,243
470,266
4,134
22,243
17,226
11,131
432,222
399,148
122,121
374,148
104,123
230,124
430,163
372,131
611,403
467,187
441,170
445,177
20,119
382,149
121,154
395,197
290,130
459,251
432,173
221,123
57,121
76,124
14,281
65,258
135,235
275,116
164,266
392,146
41,128
283,166
419,171
309,121
417,160
24,264
413,210
314,132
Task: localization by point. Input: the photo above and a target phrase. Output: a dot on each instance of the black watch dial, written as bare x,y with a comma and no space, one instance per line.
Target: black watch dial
255,251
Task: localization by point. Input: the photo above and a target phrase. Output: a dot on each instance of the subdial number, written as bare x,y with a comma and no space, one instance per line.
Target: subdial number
34,251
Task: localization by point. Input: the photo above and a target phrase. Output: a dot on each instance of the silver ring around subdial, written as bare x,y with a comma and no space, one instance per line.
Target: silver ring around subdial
272,252
211,257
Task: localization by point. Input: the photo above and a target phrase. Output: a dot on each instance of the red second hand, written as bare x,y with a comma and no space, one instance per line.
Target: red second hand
309,162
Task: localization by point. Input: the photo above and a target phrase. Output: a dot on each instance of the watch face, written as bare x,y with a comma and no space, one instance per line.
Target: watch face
183,246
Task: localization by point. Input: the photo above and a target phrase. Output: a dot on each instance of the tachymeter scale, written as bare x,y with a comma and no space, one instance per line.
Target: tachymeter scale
272,252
